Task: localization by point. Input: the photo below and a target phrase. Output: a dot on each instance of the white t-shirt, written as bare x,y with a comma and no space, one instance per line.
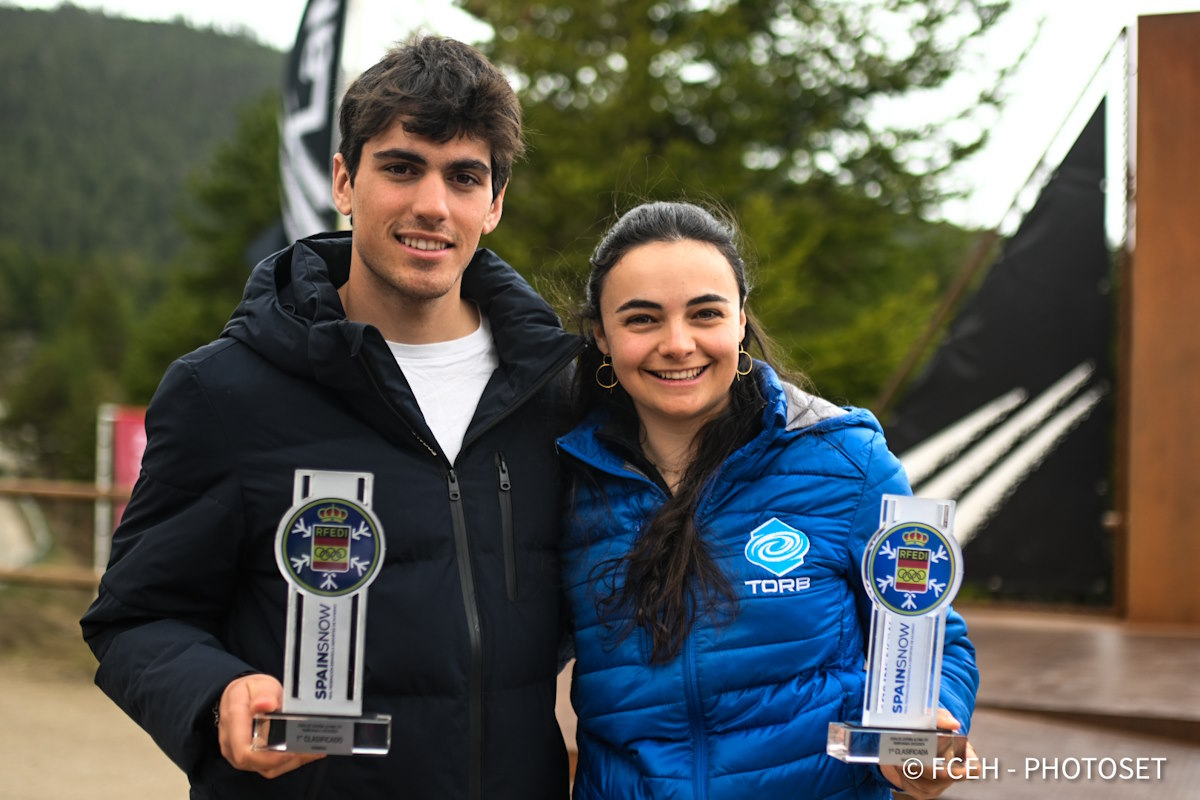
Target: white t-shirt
448,379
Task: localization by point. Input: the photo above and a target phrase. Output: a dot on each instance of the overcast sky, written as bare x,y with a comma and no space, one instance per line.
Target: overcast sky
1075,37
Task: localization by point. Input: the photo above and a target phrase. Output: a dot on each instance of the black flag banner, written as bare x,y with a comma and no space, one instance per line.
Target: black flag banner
1013,414
307,127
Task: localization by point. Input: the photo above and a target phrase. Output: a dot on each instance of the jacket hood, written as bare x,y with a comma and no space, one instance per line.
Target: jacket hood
292,316
291,313
291,305
789,410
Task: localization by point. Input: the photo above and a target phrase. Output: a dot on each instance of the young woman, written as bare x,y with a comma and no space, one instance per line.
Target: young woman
699,673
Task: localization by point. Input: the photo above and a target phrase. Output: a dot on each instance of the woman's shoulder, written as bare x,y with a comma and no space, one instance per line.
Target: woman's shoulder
803,411
845,436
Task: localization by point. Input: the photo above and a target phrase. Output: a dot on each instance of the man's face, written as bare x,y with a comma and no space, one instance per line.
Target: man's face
419,209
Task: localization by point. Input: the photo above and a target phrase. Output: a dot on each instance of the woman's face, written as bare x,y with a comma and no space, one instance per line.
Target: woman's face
671,319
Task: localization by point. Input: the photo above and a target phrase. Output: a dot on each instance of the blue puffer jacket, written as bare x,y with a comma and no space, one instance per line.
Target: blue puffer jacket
743,711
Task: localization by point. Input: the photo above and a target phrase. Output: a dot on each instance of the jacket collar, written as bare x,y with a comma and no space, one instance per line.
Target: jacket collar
291,315
789,410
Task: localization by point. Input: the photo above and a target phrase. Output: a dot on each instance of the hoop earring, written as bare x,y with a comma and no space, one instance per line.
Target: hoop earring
738,368
606,362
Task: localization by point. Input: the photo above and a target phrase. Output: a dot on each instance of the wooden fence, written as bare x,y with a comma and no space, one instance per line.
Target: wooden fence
56,576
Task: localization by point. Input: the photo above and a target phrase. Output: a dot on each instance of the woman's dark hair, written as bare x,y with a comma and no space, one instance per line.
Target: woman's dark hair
669,575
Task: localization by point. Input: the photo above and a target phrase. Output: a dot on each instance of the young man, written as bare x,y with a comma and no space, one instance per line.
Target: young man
401,351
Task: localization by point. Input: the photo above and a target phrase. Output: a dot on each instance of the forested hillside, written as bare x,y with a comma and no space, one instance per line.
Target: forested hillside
102,119
138,161
114,151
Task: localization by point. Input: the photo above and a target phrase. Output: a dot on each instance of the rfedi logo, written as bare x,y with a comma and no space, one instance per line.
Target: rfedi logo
778,548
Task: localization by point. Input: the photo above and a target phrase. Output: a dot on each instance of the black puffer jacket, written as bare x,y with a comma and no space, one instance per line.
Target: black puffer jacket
464,662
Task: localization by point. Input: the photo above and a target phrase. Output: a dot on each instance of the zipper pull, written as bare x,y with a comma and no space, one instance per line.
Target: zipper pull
502,467
452,482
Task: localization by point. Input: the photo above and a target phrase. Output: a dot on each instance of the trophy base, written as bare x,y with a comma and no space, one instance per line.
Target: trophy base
310,733
857,744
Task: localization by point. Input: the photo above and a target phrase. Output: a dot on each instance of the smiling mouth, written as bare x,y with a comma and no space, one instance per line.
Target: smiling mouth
428,245
678,374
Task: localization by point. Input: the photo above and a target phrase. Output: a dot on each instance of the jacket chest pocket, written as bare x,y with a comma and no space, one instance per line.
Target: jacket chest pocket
524,522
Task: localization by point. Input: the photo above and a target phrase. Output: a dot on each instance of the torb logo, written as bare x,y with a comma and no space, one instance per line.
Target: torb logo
776,547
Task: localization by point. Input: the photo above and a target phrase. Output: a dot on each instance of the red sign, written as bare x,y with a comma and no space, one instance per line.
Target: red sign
129,443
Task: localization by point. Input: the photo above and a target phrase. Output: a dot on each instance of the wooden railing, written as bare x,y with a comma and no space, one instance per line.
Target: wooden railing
51,576
59,490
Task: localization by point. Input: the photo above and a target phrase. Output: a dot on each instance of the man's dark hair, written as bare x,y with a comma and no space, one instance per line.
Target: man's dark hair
441,89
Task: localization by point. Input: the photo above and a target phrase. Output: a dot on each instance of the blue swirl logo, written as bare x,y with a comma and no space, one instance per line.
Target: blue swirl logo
776,547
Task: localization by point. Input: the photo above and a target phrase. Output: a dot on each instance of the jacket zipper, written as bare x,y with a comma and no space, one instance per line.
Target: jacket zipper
387,401
696,719
465,575
506,528
475,633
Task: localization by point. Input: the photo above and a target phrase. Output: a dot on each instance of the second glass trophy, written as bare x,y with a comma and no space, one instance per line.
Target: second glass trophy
911,569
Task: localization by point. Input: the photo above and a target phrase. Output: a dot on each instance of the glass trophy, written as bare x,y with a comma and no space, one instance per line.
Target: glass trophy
329,547
912,568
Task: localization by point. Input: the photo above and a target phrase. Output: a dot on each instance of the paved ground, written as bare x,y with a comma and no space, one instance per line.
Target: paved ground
60,738
1043,675
1031,757
1088,665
